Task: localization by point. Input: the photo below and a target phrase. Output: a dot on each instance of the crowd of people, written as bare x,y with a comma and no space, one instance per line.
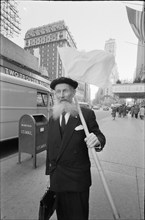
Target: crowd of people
137,111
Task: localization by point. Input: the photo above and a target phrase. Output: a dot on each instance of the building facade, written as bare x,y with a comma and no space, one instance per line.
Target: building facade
105,95
110,47
43,41
17,62
10,20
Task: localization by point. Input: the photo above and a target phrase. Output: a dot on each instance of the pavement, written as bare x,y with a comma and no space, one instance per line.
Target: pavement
122,161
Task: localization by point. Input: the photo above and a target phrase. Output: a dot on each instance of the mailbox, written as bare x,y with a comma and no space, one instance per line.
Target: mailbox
32,135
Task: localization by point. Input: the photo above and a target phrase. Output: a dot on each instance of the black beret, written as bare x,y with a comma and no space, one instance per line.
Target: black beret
65,80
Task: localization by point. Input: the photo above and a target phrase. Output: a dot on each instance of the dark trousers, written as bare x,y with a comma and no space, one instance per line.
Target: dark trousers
72,205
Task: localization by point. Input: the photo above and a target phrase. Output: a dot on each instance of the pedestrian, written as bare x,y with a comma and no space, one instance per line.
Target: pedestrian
132,111
120,111
67,161
124,110
136,111
113,113
141,112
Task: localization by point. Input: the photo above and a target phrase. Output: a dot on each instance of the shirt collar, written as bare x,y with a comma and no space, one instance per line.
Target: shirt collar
67,115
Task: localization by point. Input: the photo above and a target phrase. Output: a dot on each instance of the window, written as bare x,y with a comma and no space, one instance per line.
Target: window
42,99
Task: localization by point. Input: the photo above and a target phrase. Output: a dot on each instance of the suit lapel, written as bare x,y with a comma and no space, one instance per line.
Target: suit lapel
72,122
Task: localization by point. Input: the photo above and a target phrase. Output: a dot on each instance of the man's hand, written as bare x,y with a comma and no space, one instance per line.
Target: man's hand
92,141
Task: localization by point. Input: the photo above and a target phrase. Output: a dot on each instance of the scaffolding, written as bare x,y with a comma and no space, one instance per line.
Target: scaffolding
10,20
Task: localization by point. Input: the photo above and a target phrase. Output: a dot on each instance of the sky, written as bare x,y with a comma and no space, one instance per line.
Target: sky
91,23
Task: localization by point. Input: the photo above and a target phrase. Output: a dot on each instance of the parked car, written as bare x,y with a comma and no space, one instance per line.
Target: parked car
84,104
96,107
106,108
116,105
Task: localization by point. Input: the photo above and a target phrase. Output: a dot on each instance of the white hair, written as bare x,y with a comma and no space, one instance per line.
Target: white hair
60,107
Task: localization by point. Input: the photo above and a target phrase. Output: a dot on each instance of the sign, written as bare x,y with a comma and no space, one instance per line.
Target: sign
31,77
129,88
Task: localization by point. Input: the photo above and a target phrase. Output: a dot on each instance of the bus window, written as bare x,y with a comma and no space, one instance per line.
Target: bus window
42,99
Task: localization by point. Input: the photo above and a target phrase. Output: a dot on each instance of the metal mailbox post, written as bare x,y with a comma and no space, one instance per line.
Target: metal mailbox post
32,135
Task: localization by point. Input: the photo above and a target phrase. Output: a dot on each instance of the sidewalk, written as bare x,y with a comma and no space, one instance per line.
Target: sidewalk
123,163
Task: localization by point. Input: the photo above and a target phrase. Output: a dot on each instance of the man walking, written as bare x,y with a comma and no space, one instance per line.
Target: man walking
68,162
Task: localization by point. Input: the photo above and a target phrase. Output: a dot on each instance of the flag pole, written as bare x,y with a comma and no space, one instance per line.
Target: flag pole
97,162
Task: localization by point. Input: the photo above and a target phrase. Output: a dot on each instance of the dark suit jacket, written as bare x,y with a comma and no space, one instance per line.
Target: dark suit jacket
68,162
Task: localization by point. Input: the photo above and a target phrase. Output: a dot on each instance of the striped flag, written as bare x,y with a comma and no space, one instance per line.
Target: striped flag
137,22
92,67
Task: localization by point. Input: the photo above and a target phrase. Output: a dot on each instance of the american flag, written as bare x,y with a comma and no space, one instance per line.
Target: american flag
137,22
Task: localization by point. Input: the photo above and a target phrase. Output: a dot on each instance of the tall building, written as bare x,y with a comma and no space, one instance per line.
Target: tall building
43,42
106,94
17,62
110,46
10,20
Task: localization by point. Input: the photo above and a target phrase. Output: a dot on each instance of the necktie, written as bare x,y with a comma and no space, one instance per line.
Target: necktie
63,123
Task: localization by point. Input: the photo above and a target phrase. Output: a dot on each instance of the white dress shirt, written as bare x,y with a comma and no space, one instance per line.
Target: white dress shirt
66,117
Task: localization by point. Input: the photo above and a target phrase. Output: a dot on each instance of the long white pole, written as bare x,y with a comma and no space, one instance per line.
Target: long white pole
96,159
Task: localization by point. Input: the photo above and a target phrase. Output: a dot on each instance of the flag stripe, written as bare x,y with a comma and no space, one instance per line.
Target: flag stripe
136,19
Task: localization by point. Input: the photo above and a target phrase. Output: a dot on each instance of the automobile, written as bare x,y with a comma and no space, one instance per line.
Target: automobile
116,105
95,107
106,108
84,104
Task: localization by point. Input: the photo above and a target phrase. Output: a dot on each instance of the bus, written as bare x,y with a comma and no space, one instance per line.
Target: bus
19,97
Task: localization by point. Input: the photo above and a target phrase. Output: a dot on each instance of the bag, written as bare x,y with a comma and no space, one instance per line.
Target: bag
47,205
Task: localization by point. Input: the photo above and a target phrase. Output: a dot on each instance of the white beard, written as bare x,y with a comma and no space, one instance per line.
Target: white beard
64,106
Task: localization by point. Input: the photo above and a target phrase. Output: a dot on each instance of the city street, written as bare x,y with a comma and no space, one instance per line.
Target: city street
52,53
122,160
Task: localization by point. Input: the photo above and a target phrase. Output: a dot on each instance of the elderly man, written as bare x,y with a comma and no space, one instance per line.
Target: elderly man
68,162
